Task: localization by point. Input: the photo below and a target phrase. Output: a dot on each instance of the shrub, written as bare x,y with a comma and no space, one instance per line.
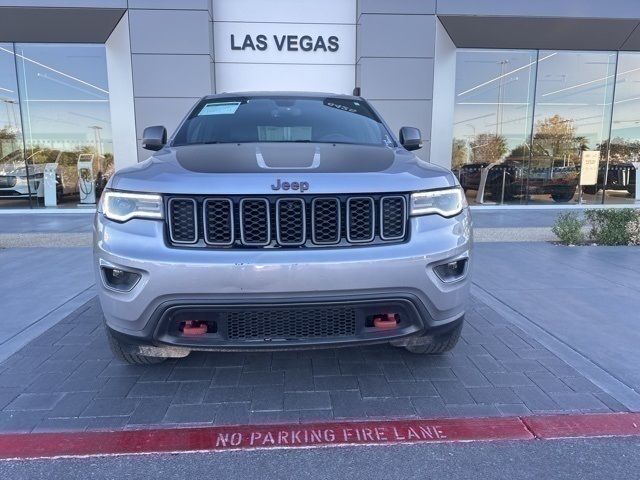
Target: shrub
609,226
568,228
633,229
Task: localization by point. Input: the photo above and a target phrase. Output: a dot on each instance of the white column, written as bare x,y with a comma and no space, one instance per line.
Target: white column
119,73
444,85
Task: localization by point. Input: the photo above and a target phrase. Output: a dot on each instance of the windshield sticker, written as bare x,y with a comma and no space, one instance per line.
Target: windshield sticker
346,108
225,108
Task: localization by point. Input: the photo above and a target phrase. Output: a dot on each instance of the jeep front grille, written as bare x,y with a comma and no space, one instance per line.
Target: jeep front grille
286,221
218,221
326,221
183,227
392,209
255,222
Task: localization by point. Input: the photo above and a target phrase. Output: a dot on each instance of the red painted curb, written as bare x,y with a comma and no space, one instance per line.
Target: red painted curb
47,445
42,445
592,425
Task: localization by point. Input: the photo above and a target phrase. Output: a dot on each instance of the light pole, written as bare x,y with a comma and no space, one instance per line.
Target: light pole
97,139
469,141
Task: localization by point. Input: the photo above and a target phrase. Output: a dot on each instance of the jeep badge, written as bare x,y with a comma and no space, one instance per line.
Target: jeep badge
302,186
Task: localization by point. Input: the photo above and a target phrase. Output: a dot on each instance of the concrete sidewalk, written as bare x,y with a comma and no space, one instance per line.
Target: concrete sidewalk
38,288
587,298
43,229
491,224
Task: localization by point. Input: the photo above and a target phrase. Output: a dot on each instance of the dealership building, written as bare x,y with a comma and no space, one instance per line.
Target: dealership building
529,103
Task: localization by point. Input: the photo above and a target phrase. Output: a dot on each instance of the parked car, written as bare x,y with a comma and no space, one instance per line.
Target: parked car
538,176
21,179
17,178
281,221
621,176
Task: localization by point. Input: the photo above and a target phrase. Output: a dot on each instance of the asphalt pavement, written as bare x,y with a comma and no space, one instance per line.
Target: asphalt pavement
592,459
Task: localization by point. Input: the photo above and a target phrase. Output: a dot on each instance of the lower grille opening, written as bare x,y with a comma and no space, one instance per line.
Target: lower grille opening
285,325
291,324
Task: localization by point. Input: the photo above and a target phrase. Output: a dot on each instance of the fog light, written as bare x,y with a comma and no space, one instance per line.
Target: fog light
451,271
118,279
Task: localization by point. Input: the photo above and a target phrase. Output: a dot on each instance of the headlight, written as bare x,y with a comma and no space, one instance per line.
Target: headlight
123,206
446,203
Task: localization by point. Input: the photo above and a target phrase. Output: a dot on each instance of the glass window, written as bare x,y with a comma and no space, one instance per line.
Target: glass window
511,147
620,176
493,115
14,183
64,99
283,119
572,113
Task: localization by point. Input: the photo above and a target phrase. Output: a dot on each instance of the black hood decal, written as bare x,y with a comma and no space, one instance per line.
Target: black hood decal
284,157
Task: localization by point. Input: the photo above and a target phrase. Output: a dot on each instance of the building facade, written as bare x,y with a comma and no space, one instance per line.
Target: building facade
521,99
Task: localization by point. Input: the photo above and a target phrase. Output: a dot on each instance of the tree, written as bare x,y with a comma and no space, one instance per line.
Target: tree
8,142
521,152
459,153
556,137
6,134
621,149
488,148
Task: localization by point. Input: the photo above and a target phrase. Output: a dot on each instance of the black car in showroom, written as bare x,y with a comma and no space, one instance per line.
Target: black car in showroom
620,176
538,176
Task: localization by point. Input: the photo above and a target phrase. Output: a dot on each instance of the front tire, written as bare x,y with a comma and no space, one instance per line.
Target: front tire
118,349
440,343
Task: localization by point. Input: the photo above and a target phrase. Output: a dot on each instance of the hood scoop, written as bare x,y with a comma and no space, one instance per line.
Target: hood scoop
282,161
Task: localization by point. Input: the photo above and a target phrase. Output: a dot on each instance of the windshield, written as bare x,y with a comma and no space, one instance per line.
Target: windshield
283,119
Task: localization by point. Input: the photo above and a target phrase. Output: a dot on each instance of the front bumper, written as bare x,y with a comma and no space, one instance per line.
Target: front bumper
384,275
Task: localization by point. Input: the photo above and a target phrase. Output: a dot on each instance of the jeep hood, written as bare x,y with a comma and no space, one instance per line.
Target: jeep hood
251,168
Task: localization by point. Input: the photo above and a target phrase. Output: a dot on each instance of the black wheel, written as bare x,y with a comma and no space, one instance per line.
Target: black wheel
496,193
131,358
563,196
590,189
439,344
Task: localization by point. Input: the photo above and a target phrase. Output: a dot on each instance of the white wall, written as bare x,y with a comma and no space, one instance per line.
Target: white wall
273,68
171,53
120,77
396,63
444,83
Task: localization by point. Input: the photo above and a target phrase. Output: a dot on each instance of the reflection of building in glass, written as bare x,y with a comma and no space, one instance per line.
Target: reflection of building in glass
534,113
56,112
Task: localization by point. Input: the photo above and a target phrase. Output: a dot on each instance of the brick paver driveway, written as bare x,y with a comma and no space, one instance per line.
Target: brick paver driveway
67,379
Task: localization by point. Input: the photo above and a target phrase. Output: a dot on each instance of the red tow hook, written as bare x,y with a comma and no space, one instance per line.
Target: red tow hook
192,328
386,321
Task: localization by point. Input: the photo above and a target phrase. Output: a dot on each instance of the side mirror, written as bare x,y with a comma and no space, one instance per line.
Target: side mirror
410,138
154,138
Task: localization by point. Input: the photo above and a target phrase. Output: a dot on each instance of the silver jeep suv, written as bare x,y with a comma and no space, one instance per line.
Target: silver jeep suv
279,221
